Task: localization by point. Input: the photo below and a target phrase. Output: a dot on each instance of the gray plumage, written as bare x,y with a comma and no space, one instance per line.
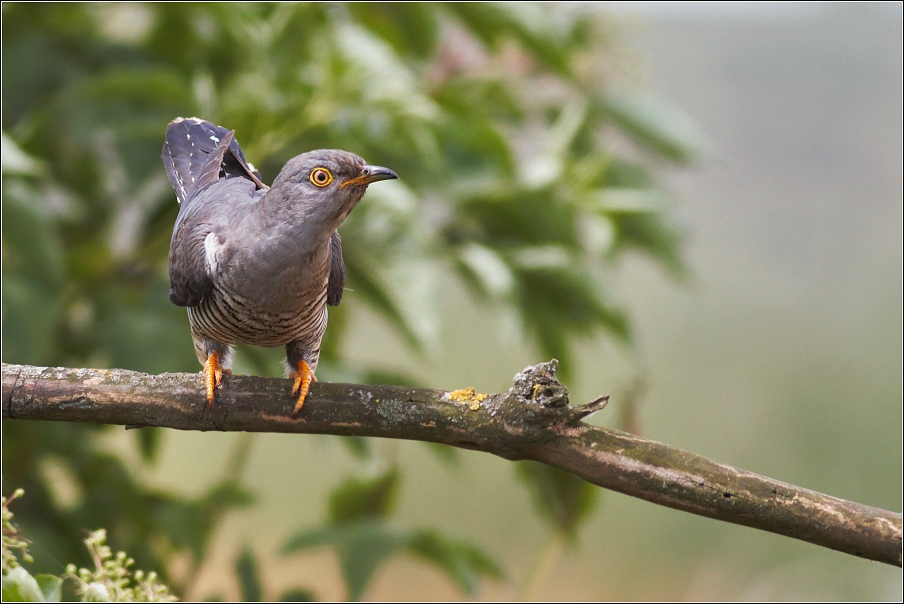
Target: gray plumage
255,264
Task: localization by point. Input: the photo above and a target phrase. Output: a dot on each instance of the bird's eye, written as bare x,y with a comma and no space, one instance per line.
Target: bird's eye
321,177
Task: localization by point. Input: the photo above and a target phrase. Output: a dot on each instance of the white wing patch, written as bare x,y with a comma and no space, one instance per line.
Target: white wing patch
212,247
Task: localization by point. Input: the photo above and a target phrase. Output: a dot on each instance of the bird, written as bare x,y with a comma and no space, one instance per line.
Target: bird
252,263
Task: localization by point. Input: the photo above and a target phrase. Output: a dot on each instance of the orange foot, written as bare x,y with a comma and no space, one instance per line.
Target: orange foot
303,378
213,374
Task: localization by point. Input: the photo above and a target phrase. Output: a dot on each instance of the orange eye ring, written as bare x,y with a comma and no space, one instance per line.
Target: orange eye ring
321,177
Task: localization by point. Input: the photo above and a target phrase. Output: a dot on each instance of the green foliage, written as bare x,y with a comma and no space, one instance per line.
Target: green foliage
359,532
249,577
110,581
20,586
563,499
247,569
503,121
12,541
357,499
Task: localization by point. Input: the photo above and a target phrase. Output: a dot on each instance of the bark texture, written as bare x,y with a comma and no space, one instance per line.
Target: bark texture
533,420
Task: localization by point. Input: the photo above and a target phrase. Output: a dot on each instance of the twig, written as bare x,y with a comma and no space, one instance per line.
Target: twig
533,420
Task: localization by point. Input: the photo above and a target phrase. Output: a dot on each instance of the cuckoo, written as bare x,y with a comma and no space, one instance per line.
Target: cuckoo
252,263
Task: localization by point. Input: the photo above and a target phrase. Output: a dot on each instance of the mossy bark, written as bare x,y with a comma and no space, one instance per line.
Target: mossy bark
533,420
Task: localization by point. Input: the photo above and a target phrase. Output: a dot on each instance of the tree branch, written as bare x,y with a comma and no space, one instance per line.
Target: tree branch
533,420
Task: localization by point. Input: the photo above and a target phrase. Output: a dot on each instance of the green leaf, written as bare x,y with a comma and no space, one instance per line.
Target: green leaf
307,539
445,453
228,495
149,442
410,27
361,554
534,29
298,595
657,126
570,306
385,376
162,85
562,499
362,546
487,268
249,576
20,586
13,160
362,499
357,446
630,200
51,587
464,563
372,287
651,233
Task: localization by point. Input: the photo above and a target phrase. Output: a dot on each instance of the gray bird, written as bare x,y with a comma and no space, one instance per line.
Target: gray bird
252,263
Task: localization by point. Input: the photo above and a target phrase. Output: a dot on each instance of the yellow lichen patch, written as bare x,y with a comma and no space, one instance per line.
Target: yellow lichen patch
469,397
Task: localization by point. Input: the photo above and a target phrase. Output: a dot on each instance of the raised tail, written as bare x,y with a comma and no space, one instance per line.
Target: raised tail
186,150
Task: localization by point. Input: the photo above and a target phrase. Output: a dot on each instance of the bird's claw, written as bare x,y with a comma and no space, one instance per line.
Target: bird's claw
303,378
213,374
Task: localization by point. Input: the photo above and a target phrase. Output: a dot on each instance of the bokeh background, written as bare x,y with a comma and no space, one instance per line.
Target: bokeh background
697,209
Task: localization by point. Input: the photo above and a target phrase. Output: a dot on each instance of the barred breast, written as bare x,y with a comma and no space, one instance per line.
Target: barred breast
226,318
234,312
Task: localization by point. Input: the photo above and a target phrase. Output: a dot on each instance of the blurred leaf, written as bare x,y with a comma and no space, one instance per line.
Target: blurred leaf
368,285
488,269
462,562
51,587
657,125
149,442
568,304
298,595
362,499
229,495
384,377
357,446
648,232
20,586
14,160
143,86
533,29
361,545
249,576
445,453
563,499
625,199
363,553
410,27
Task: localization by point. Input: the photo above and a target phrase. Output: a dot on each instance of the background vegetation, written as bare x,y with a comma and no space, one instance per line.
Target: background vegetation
527,159
497,119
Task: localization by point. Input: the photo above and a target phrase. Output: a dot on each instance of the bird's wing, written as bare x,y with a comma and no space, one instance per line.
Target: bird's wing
187,149
211,195
203,237
190,278
337,271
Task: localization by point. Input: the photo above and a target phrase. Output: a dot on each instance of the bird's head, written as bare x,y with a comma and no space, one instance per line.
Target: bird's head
327,184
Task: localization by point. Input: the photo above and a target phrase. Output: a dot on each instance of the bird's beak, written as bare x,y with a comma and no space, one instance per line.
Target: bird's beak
371,174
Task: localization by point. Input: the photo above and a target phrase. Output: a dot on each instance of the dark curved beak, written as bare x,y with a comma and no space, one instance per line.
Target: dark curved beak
371,174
